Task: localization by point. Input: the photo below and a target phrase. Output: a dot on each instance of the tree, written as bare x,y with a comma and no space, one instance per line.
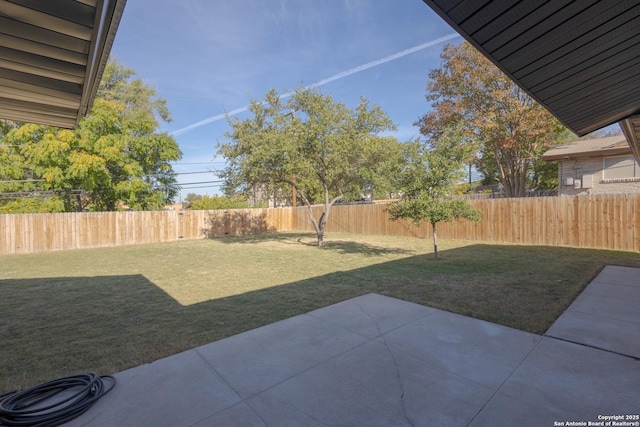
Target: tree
116,156
321,147
544,175
217,202
189,199
428,182
32,205
509,128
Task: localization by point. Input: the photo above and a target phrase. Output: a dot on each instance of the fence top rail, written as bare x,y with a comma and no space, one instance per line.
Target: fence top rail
594,221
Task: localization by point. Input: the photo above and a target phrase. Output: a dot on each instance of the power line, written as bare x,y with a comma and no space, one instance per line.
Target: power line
193,173
182,173
194,163
35,193
201,182
201,186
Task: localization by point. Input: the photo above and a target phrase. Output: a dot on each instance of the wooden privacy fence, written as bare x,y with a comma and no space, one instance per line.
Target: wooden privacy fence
51,232
602,221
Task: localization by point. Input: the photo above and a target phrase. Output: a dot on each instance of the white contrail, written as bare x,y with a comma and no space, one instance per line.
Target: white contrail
383,60
209,120
327,80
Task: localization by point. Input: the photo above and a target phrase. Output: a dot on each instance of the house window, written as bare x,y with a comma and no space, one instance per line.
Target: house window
621,167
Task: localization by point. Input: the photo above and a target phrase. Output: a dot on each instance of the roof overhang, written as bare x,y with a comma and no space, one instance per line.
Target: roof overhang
579,59
631,129
52,56
603,153
599,147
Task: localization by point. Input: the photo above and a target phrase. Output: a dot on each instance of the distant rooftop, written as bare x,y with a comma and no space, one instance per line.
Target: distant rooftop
614,145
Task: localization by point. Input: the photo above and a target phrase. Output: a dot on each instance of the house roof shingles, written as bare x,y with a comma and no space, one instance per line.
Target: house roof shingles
611,146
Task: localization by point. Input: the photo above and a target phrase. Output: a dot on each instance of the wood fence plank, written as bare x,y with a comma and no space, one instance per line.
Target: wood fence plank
636,223
601,221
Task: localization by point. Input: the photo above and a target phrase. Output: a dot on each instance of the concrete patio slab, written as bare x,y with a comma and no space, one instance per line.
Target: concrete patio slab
240,415
505,411
579,381
179,390
372,385
606,314
597,331
259,359
616,275
379,361
371,315
480,351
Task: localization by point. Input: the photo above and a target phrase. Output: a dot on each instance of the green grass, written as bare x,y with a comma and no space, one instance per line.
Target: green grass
109,309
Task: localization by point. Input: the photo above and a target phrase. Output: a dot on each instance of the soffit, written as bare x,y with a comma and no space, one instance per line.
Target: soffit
52,55
580,59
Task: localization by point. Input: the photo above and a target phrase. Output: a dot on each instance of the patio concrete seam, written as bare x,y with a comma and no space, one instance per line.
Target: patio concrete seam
380,333
339,326
598,291
226,409
302,372
297,409
497,390
591,346
611,283
436,367
590,313
395,363
242,400
213,369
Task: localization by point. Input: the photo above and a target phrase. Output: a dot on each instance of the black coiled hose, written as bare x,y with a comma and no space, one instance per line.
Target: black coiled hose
44,406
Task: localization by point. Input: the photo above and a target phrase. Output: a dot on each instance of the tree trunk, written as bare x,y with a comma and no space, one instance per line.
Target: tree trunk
320,229
515,183
435,241
321,223
317,225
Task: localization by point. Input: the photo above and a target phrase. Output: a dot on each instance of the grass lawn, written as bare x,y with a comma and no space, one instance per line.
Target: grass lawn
108,309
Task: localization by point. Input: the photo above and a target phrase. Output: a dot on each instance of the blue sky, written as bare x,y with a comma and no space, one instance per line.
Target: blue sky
208,57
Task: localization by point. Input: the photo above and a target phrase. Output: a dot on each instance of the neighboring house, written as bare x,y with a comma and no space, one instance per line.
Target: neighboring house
595,166
174,207
264,194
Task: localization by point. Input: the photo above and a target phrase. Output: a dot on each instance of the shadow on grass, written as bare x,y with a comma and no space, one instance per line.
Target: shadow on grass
282,237
53,327
349,247
310,240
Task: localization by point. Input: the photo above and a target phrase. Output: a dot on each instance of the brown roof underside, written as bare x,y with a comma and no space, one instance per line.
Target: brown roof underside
579,59
52,55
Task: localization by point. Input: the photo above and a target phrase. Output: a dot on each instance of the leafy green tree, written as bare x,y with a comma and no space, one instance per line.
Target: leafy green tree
509,128
115,157
32,205
429,181
189,199
217,202
321,147
544,175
